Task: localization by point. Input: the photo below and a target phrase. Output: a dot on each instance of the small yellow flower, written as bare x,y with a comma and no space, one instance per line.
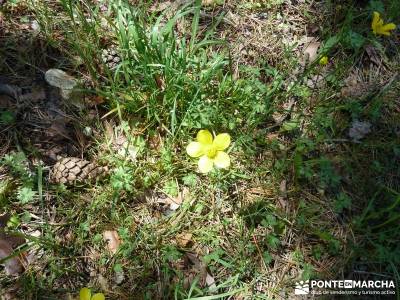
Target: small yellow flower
86,294
210,150
323,61
378,27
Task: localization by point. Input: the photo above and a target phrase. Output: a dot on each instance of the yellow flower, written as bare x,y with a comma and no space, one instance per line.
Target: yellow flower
86,294
323,61
378,27
210,150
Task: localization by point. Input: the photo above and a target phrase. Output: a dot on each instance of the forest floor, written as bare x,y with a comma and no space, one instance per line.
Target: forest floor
99,101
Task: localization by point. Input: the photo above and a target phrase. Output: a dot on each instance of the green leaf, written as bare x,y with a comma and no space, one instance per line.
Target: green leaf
273,241
118,268
267,257
171,188
290,125
355,40
25,195
342,201
376,5
329,44
190,179
7,117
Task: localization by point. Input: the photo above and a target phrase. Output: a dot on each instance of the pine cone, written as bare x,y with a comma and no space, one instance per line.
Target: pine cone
72,169
111,58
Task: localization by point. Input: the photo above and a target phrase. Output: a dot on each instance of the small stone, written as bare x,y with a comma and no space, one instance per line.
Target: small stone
60,79
35,26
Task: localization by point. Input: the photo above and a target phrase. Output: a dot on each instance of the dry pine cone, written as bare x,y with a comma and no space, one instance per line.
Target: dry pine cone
69,170
111,58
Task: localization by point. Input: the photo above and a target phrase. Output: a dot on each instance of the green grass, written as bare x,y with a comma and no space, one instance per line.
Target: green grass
300,201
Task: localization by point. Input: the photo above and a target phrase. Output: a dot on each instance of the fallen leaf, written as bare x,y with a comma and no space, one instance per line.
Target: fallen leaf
316,81
157,7
58,129
12,265
96,100
112,239
109,130
160,82
374,55
36,93
283,194
212,2
6,102
103,282
210,282
175,202
310,51
183,239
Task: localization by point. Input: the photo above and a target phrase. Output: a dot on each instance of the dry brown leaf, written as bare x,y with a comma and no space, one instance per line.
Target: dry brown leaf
36,94
310,51
183,239
373,55
283,194
211,2
160,82
109,129
58,129
175,202
157,7
12,265
96,100
210,281
112,239
6,101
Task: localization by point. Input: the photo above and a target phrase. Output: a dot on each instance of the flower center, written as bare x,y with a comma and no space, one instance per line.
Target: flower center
211,151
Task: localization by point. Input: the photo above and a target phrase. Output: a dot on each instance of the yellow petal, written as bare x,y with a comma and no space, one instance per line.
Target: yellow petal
85,294
205,164
380,31
98,296
222,160
222,141
389,26
194,149
375,21
324,60
204,137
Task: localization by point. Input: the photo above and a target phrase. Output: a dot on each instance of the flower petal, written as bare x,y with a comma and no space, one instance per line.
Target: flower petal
204,137
323,60
85,294
194,149
380,31
389,26
205,164
98,296
222,160
375,21
222,141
